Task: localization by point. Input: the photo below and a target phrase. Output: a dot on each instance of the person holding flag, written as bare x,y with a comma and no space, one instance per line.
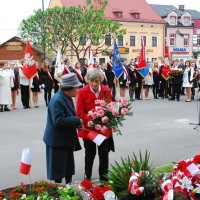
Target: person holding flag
124,79
27,71
164,74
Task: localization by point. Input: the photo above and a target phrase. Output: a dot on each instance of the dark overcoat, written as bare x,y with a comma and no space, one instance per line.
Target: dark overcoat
60,136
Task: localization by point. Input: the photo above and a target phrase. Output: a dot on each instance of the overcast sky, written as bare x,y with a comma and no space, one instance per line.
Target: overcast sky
12,12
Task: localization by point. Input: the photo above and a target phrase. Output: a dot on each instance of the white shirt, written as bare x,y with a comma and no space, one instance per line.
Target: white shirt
22,80
96,93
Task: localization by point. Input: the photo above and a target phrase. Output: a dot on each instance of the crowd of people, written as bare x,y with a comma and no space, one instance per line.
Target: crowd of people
131,81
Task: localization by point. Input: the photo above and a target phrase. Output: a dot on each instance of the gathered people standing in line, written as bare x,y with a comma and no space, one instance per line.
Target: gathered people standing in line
47,81
111,78
187,80
60,135
104,72
156,79
133,79
177,82
24,86
14,89
36,85
85,68
79,73
6,83
148,82
86,98
124,80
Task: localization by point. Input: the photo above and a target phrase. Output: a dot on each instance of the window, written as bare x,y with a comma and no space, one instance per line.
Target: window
119,14
186,21
95,40
186,40
132,41
137,15
172,20
154,41
145,39
172,39
83,40
198,40
108,40
120,41
102,60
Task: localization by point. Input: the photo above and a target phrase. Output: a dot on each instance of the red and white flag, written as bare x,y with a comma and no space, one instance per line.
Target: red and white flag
26,161
166,64
30,70
96,137
191,169
142,57
90,57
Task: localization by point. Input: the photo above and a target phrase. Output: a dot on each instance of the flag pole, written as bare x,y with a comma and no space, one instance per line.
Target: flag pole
30,103
29,175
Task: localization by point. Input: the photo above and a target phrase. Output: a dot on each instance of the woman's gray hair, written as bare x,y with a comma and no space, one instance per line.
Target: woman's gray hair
93,73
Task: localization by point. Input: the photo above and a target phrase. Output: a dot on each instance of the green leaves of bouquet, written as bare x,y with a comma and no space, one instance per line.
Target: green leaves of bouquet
119,174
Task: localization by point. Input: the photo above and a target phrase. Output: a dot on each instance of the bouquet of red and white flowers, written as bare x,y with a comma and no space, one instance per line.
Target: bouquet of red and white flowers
109,115
175,73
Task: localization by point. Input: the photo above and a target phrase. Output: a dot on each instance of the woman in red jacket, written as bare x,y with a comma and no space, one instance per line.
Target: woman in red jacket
85,102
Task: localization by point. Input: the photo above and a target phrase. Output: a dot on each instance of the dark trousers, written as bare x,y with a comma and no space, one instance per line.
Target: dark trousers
90,153
47,95
163,88
176,90
113,91
137,92
155,90
25,95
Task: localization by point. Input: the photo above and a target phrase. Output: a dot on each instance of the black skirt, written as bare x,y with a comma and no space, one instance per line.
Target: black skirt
60,162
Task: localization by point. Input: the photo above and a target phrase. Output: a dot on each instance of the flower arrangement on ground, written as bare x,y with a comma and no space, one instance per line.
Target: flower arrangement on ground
97,192
39,190
173,74
109,115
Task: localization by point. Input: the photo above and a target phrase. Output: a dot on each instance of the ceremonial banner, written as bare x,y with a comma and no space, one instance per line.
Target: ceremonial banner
30,70
90,57
26,162
143,72
166,64
142,57
116,62
59,67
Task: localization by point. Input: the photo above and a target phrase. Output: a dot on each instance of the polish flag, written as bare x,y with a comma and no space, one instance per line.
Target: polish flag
26,162
90,57
96,137
191,170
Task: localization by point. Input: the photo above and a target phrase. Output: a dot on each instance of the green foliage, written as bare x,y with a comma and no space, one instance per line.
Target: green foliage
119,174
66,25
164,169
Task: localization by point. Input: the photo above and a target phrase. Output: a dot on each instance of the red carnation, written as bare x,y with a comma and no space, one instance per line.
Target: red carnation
181,165
196,159
86,184
98,193
107,188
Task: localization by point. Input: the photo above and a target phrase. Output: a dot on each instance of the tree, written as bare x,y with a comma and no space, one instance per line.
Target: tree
76,28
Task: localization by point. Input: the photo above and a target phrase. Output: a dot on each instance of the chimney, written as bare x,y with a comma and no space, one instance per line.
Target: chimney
181,7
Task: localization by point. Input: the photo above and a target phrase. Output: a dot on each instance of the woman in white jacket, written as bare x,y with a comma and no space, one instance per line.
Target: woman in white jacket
188,80
6,82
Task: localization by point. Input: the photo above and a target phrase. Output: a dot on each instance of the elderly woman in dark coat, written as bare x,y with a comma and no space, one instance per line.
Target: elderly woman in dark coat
60,135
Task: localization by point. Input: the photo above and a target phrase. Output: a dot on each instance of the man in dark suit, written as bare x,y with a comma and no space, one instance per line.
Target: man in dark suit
60,134
177,82
182,66
111,78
